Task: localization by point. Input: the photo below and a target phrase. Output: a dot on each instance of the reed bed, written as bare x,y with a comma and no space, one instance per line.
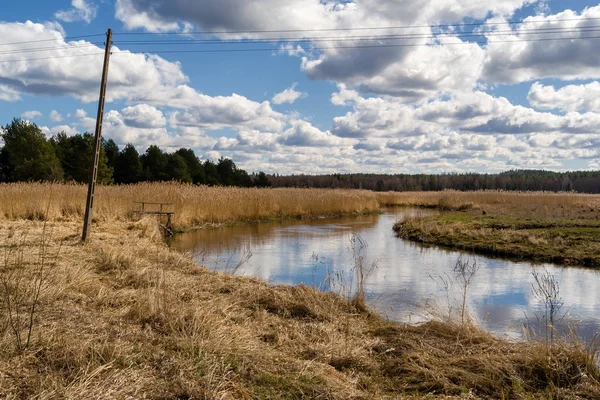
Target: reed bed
202,205
193,205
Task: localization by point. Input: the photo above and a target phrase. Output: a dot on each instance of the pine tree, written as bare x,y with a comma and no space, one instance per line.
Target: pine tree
27,155
128,167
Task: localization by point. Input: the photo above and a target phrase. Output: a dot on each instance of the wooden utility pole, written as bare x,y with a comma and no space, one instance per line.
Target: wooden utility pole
87,222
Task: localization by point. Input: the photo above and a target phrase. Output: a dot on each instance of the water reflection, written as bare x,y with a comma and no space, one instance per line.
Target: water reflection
406,284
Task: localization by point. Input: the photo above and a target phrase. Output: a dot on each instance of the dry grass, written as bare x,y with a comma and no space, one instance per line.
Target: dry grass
202,205
547,227
124,317
544,205
193,205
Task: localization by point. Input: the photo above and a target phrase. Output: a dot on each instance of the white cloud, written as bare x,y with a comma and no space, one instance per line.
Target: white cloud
81,10
289,95
82,120
233,111
55,116
143,116
476,112
8,94
144,125
302,133
509,59
410,72
31,115
69,130
568,98
161,15
131,76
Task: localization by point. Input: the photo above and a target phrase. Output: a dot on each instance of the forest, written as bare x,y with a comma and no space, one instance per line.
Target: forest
515,180
27,155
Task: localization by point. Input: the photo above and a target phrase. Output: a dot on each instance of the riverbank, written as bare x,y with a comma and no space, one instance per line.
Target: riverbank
123,316
542,227
194,206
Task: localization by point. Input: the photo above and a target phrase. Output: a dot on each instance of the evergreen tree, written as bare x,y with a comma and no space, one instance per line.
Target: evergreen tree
177,169
111,150
212,175
226,170
27,155
128,167
261,180
154,164
194,166
76,154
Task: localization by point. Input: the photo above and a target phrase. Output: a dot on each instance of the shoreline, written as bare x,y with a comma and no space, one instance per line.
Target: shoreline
564,243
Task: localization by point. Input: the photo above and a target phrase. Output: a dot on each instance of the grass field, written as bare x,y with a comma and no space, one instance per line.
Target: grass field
123,316
561,228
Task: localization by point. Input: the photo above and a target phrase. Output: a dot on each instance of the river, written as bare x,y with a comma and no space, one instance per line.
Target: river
408,282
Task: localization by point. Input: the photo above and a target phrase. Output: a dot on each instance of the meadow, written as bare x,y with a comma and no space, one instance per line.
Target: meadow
124,316
561,228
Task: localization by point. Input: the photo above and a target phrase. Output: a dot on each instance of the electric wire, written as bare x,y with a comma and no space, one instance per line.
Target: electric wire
362,28
368,38
29,50
158,51
54,40
50,58
348,38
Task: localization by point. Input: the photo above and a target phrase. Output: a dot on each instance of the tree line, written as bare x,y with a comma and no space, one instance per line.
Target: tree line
28,156
523,180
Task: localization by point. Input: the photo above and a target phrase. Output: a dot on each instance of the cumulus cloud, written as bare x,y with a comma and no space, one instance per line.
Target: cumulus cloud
31,115
160,15
218,112
302,133
509,59
68,129
568,98
81,10
476,112
131,76
410,72
55,116
144,125
289,95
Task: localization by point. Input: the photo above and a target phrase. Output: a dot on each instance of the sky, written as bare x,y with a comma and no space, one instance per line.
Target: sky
317,86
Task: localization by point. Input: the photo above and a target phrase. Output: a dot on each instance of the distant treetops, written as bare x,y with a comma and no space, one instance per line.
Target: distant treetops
28,156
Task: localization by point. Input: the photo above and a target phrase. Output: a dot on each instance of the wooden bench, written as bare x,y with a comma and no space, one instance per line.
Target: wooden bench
157,209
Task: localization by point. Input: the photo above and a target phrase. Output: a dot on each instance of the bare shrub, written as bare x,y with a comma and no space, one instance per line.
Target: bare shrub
546,289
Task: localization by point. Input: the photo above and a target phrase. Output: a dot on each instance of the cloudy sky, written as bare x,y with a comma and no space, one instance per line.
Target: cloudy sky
318,86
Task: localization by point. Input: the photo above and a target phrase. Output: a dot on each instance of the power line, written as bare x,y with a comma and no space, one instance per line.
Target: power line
316,48
53,40
365,46
356,38
359,28
29,50
49,58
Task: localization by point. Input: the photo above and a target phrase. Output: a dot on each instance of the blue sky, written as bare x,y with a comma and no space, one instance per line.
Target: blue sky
446,103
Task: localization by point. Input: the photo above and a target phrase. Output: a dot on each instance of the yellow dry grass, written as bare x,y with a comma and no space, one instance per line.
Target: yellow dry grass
203,205
123,316
193,205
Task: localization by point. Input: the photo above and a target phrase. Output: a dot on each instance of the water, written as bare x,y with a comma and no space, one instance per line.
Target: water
407,283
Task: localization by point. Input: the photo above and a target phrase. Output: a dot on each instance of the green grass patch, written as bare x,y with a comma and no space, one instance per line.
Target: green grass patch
561,241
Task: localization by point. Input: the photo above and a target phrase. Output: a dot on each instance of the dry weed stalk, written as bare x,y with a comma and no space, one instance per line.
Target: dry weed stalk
546,289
